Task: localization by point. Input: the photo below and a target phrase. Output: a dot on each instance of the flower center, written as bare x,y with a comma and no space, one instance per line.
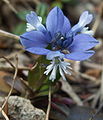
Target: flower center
59,42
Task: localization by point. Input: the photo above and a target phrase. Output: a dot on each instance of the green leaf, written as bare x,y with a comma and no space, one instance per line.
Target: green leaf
36,76
19,29
59,4
42,10
44,90
33,77
65,0
22,14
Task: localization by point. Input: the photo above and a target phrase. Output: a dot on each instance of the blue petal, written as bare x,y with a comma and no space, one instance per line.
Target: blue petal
55,21
84,20
79,56
66,26
38,50
33,19
82,42
48,36
33,39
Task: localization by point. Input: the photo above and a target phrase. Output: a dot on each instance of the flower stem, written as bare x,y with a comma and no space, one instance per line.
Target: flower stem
49,104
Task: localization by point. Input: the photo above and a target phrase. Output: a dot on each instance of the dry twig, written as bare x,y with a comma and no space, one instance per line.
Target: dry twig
99,95
10,6
10,56
4,114
68,89
10,68
87,77
37,2
49,104
93,65
14,78
8,35
98,19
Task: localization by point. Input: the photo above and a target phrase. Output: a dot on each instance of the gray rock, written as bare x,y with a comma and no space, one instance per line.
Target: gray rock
21,109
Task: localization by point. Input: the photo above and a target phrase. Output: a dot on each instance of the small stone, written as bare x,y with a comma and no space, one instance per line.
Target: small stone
21,109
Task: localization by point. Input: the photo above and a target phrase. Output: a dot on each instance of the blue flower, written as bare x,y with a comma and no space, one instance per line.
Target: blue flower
59,34
66,42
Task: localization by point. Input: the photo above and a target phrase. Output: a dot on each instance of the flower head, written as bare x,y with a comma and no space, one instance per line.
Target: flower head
66,42
84,20
34,22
